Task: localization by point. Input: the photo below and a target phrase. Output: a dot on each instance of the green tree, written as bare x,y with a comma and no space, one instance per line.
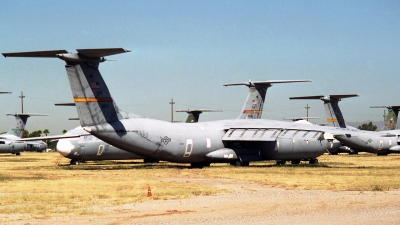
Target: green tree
367,126
36,133
46,131
25,134
64,131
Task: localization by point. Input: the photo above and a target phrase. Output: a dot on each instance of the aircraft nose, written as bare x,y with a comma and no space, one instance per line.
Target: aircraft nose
64,147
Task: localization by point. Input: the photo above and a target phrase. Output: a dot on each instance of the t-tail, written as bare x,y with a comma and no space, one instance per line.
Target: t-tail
334,114
390,120
94,103
253,107
18,127
194,115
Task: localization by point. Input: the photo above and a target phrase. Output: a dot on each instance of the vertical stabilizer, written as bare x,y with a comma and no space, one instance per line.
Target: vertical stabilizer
253,107
18,127
194,115
390,120
93,100
334,114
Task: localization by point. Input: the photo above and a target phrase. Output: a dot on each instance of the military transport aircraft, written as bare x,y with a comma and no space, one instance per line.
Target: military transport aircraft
391,118
82,146
331,104
10,142
86,147
349,144
200,143
334,117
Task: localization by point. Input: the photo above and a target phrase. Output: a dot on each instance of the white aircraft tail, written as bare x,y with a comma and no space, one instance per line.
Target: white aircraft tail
253,107
334,114
91,95
390,121
18,127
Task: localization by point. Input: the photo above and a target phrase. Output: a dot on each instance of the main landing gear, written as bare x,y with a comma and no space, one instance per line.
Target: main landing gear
296,162
199,165
240,163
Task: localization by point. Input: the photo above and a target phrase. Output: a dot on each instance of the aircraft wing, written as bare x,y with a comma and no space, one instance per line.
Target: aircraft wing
266,134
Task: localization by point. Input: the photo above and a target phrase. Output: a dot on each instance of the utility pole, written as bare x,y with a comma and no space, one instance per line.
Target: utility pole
172,109
22,101
307,110
384,115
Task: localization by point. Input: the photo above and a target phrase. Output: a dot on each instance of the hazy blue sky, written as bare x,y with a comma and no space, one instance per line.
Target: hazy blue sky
187,50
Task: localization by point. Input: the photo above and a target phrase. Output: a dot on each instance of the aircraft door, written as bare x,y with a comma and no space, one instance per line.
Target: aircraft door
100,150
380,145
189,147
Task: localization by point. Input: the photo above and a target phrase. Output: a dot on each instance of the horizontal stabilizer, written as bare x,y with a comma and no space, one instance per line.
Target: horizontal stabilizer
5,92
65,104
100,52
53,137
267,83
322,97
87,53
388,107
200,110
301,118
41,54
27,114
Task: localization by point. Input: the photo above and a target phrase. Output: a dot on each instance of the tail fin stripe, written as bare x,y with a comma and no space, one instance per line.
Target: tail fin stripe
93,100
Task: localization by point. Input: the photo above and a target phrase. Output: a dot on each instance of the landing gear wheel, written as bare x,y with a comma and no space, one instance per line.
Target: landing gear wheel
280,162
18,153
313,161
240,163
74,162
199,165
151,160
295,162
353,152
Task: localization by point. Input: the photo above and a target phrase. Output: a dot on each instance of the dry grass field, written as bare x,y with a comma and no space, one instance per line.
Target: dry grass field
43,185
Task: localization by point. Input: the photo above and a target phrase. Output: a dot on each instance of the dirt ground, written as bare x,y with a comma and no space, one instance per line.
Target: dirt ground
246,203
